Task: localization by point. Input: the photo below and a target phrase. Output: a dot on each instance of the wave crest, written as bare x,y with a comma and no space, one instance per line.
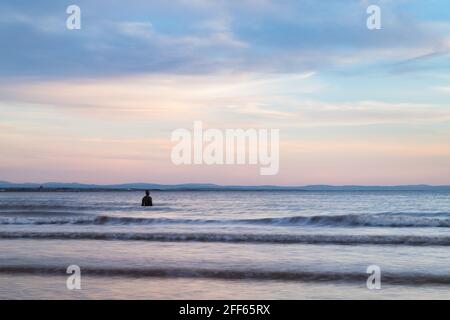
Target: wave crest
234,274
348,220
237,238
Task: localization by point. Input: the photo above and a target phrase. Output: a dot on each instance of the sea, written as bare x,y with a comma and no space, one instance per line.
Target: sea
225,245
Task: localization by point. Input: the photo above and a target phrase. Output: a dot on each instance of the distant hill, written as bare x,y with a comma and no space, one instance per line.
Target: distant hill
55,186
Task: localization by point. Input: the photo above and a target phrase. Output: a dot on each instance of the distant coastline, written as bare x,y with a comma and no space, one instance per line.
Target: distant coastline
79,187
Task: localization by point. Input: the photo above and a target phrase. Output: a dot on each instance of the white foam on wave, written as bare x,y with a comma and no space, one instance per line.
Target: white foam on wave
399,220
406,240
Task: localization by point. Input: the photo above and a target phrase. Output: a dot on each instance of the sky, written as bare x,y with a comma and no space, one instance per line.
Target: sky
99,104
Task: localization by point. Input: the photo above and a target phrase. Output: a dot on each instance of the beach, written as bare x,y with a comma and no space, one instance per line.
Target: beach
225,244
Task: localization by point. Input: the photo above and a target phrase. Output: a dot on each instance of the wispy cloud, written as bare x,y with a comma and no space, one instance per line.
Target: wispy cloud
228,98
443,89
205,37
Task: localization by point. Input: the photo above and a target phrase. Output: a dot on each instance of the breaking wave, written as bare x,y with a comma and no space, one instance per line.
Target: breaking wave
398,220
237,238
233,274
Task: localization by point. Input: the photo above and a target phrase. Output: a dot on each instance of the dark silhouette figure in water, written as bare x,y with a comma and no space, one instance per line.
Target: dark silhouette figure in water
147,200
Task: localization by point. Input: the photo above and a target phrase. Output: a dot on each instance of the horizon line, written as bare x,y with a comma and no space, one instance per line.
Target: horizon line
225,185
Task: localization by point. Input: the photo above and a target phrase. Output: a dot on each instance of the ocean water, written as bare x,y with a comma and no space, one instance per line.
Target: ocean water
225,245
